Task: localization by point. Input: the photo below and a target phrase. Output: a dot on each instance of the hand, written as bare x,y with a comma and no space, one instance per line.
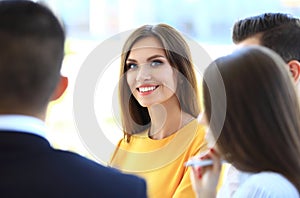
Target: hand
205,179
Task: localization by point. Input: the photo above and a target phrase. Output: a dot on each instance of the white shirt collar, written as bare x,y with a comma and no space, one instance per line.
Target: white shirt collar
24,124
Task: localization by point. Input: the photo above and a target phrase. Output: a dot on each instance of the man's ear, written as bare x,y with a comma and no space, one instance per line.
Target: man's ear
294,66
60,88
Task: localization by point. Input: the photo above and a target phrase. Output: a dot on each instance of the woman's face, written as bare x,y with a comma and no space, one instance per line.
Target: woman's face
151,78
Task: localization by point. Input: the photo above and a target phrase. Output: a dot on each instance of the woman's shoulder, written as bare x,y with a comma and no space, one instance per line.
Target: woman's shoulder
193,135
194,128
267,184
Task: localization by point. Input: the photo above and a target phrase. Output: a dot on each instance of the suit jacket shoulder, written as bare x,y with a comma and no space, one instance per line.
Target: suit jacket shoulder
30,167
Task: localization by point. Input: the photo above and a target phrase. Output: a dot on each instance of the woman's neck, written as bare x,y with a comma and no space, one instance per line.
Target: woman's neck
166,120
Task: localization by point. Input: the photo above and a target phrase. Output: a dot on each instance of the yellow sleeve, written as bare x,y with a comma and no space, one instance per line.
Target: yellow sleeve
185,189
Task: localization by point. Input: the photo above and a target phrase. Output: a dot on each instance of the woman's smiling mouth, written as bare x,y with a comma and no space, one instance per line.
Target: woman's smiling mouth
147,89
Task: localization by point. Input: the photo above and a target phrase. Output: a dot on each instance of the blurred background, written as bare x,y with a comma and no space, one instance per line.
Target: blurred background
89,22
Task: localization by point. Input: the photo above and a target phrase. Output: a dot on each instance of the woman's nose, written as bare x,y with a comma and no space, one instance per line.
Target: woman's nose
144,73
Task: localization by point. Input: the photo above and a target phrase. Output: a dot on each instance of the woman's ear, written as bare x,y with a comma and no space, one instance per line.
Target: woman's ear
60,88
294,66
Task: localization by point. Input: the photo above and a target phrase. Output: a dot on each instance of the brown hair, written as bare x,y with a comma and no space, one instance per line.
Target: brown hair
135,118
261,131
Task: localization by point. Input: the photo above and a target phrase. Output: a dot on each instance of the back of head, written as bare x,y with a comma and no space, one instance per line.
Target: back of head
285,40
277,31
31,53
251,26
261,131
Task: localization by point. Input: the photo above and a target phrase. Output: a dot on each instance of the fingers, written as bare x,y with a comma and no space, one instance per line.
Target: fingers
210,160
205,178
198,172
196,180
215,156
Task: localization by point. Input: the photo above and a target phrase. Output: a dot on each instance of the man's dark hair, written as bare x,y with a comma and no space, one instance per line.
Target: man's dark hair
31,54
277,31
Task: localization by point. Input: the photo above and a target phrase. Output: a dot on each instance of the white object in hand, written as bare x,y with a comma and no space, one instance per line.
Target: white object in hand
194,162
205,162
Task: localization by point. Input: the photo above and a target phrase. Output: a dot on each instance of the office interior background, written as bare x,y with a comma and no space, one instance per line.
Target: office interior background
88,23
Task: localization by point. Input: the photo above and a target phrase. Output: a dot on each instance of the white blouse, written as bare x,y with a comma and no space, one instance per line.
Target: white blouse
239,184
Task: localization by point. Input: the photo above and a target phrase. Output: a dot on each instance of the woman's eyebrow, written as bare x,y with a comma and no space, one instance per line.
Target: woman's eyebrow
155,56
148,59
131,60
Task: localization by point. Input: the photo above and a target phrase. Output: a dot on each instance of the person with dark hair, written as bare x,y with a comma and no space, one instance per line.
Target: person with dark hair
277,31
261,131
159,102
31,54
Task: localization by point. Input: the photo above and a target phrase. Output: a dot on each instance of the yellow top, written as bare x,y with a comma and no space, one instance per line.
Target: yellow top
161,162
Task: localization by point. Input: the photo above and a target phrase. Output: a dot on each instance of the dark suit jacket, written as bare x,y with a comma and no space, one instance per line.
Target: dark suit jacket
30,167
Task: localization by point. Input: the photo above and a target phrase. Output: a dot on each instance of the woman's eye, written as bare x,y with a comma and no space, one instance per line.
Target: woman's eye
156,63
131,65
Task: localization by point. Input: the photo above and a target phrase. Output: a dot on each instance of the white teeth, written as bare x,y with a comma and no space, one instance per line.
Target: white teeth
145,89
